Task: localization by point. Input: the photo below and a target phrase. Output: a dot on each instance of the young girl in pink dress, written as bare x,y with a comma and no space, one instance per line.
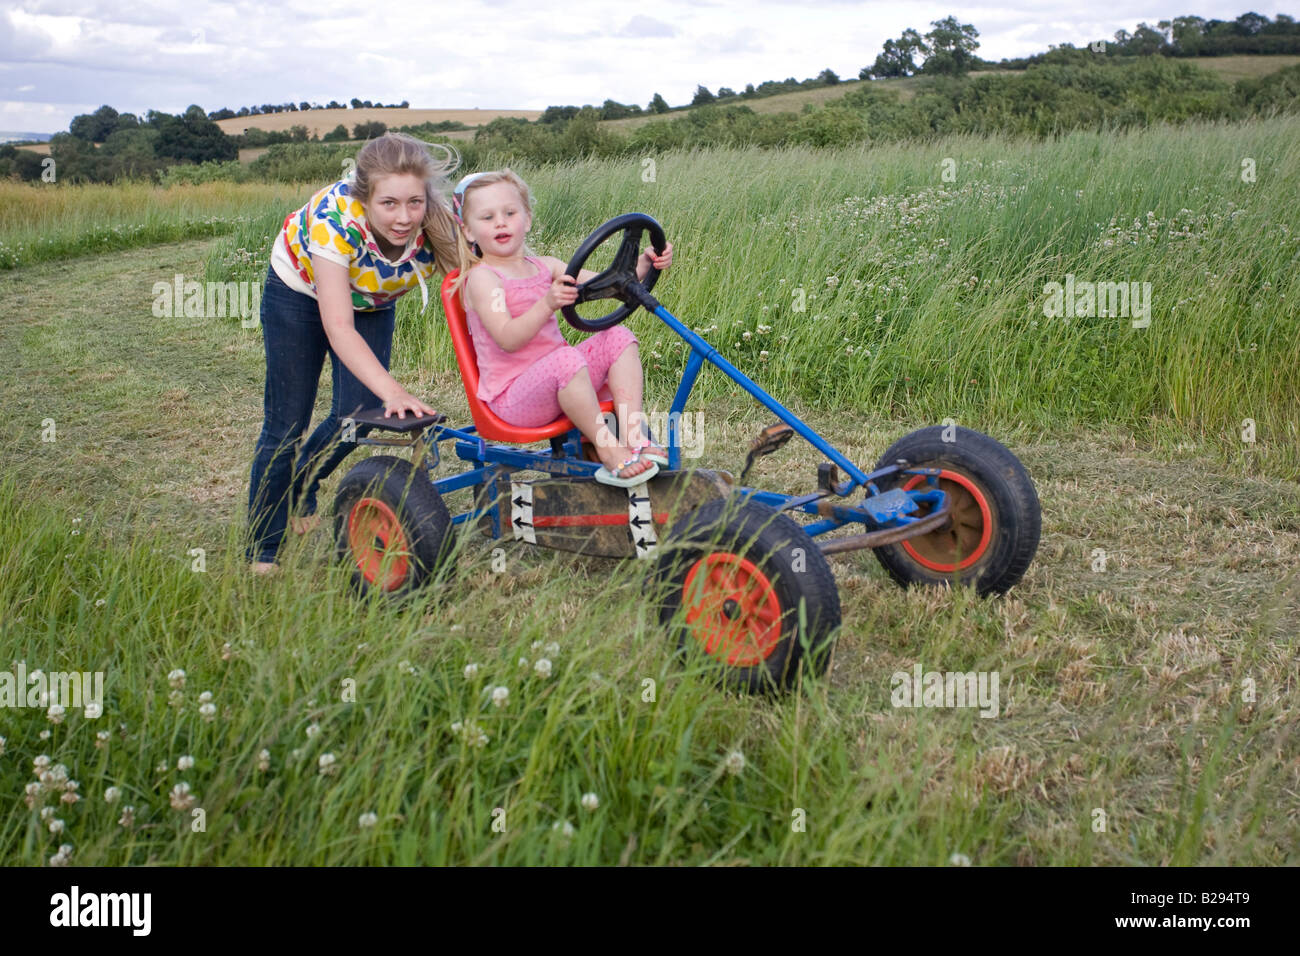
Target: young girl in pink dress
528,374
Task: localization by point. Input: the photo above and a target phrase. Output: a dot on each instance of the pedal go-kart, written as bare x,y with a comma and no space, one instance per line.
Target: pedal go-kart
734,571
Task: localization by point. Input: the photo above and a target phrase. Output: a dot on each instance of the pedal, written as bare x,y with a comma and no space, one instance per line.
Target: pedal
770,439
888,506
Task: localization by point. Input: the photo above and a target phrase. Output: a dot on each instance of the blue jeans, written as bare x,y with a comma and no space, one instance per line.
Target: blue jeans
287,470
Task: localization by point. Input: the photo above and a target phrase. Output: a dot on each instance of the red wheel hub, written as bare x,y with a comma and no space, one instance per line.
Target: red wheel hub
732,609
378,544
965,540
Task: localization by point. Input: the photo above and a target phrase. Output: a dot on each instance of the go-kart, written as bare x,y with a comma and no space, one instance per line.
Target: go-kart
734,572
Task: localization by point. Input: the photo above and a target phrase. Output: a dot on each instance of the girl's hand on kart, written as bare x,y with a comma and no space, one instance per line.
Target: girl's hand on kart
401,402
650,258
563,291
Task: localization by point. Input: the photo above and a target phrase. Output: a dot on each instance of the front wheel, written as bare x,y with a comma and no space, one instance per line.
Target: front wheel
391,528
996,517
747,586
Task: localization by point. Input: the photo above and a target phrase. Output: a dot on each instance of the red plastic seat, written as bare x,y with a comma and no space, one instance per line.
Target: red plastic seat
489,425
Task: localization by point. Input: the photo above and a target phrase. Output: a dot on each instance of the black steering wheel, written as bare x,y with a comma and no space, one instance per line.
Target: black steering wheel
619,281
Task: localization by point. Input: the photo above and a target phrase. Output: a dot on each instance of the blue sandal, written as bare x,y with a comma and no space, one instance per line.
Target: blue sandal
607,477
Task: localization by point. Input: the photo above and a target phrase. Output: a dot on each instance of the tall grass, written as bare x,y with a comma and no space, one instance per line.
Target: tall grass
926,297
40,222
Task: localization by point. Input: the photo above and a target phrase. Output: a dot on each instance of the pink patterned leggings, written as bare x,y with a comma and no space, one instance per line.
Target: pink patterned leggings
532,398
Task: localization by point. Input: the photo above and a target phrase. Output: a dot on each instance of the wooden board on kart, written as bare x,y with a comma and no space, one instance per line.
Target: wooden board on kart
587,517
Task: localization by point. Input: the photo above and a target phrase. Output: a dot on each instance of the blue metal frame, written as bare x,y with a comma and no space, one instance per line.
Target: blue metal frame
494,463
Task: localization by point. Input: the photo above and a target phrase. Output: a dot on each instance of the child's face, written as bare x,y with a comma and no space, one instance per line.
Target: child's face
396,207
495,218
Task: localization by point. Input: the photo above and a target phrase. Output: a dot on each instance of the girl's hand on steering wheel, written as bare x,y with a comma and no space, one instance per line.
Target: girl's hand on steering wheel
660,262
563,291
402,402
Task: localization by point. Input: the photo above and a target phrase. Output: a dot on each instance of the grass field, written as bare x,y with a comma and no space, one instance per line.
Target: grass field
1158,689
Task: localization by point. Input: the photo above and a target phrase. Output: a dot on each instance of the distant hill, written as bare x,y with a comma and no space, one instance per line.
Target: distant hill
320,122
9,136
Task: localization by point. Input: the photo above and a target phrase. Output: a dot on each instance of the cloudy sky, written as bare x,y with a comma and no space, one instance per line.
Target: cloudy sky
59,58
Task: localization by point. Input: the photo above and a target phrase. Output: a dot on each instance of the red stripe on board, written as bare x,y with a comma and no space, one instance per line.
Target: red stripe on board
579,521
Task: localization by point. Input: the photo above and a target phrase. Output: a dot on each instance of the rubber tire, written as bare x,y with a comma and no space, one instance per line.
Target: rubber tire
1007,489
767,538
423,516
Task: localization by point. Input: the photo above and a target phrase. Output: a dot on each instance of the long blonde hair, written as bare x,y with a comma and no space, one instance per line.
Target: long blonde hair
467,256
400,154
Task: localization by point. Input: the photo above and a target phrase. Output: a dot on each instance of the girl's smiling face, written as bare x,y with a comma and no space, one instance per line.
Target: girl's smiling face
495,217
396,207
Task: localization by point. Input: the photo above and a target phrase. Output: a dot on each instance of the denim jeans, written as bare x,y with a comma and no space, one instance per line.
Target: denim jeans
287,470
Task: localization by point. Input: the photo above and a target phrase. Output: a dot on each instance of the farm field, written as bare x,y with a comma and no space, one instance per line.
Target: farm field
320,122
1147,658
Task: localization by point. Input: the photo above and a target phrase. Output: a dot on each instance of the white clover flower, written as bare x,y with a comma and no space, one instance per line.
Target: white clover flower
536,645
40,763
44,735
959,859
564,828
552,648
176,678
31,792
2,746
60,859
500,696
93,711
47,813
208,712
205,697
56,826
367,820
55,714
590,802
185,762
227,652
312,730
101,739
523,662
69,797
127,819
100,603
543,668
112,795
181,798
735,762
175,699
471,671
264,760
328,764
161,768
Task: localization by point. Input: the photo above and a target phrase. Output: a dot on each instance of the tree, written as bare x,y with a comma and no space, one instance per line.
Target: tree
356,103
951,46
191,136
897,58
369,130
337,134
658,104
702,96
98,126
725,91
828,77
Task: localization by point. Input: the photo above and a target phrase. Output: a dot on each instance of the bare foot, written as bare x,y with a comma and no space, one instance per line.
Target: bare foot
263,567
306,524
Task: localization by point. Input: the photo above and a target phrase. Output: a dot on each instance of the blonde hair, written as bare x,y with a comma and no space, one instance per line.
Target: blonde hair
467,257
400,154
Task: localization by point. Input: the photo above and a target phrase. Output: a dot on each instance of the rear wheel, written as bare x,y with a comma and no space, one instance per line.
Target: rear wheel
996,517
747,586
391,527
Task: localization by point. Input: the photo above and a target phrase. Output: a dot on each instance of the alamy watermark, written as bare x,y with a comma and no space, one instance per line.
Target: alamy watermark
688,426
63,689
923,688
192,299
1086,300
